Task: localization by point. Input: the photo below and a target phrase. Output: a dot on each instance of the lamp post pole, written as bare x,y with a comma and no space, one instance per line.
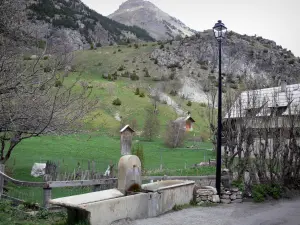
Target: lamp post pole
219,137
219,31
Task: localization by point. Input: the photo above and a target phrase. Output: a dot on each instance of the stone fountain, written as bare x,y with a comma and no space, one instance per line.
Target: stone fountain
131,200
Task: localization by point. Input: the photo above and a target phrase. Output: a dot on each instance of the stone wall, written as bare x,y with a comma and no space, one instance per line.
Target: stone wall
206,194
232,195
209,194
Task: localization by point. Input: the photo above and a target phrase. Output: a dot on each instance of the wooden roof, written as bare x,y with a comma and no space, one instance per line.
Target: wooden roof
127,127
263,100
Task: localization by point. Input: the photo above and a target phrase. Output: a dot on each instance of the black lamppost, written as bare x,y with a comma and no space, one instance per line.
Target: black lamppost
220,31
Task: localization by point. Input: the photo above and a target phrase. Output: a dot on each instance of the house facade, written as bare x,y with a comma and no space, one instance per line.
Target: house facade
263,120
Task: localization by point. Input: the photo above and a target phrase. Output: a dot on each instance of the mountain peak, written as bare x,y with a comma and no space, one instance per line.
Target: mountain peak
148,16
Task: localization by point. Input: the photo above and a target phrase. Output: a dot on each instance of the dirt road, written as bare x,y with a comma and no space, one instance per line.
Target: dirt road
285,212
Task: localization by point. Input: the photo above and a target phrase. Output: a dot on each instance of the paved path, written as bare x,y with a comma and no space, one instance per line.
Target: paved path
283,212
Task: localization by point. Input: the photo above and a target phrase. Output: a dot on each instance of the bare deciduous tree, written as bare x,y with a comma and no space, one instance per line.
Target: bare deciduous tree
34,97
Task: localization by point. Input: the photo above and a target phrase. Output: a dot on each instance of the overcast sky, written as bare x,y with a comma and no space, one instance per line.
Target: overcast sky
278,20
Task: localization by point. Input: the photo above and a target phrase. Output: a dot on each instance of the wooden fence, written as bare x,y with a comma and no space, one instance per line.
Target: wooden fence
47,186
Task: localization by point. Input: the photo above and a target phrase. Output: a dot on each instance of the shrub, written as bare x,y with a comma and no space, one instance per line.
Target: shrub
137,91
156,79
189,103
136,46
111,44
114,52
134,76
204,67
138,150
202,104
292,61
26,57
173,93
162,46
175,134
98,45
146,72
117,102
119,50
155,61
142,95
47,69
261,191
265,51
177,207
234,86
125,74
121,68
45,57
91,46
58,83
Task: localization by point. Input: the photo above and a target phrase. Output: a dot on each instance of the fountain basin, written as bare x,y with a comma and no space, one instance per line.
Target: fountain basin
165,195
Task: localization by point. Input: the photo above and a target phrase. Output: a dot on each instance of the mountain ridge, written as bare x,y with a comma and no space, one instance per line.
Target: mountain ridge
148,16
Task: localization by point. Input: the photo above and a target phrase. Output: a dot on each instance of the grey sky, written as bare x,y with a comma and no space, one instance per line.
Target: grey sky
277,20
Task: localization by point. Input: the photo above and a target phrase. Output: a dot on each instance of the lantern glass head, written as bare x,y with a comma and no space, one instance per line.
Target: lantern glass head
219,30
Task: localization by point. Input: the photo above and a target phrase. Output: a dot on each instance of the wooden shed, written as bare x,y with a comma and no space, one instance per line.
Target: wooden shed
126,140
187,122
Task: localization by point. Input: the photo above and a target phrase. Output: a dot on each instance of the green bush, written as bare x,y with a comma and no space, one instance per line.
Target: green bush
58,83
189,103
92,46
117,102
137,91
98,45
261,191
155,61
138,150
238,184
162,46
142,95
202,104
119,50
46,57
134,76
136,46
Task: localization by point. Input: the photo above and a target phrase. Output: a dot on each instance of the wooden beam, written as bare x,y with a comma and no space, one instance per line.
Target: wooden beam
209,177
78,183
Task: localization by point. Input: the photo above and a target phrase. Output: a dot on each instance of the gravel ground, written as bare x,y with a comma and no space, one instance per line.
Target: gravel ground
285,212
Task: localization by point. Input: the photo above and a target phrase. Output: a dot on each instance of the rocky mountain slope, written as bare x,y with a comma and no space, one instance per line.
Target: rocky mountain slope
243,56
79,25
146,15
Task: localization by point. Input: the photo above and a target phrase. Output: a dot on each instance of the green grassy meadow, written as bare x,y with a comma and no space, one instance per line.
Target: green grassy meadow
100,141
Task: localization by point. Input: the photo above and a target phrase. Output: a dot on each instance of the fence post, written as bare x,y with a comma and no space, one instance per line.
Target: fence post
47,196
96,187
1,180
